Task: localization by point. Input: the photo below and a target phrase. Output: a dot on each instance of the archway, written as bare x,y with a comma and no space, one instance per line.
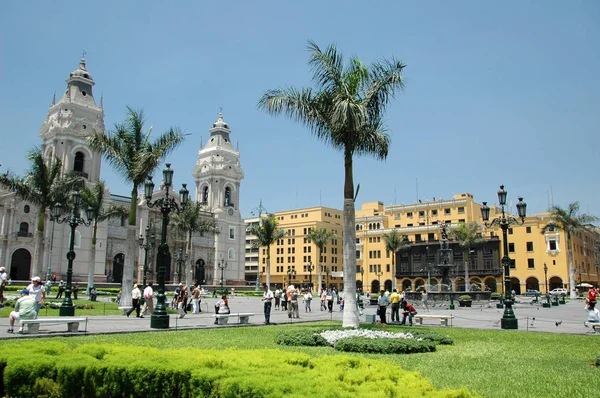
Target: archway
475,285
515,285
387,285
375,286
20,265
359,285
419,284
555,282
117,268
491,285
532,283
459,284
407,285
200,272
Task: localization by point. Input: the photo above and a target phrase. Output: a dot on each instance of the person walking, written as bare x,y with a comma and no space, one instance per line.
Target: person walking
323,300
277,298
196,300
395,301
136,295
148,300
75,290
425,300
330,299
37,291
24,309
267,299
294,303
93,293
284,300
182,298
61,289
307,301
408,311
382,302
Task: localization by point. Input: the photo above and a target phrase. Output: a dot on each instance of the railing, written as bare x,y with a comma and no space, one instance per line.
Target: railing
21,234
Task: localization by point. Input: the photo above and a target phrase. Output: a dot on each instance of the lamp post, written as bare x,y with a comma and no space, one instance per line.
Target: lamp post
222,264
160,318
73,219
146,242
291,271
310,267
257,287
181,259
546,276
509,321
379,273
362,279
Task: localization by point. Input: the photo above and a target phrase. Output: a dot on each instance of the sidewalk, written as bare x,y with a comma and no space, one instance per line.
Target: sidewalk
567,318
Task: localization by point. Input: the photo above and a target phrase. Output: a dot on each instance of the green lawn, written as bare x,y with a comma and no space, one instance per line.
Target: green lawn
490,363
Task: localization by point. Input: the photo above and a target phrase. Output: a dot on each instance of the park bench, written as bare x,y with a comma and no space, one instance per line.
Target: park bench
443,319
243,317
33,325
593,325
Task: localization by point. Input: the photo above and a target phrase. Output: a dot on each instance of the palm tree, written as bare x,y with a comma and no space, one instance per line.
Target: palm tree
320,237
467,236
94,198
345,112
192,219
42,186
131,153
394,242
266,234
569,221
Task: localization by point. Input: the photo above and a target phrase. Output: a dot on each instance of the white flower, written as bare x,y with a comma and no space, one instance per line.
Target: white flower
334,335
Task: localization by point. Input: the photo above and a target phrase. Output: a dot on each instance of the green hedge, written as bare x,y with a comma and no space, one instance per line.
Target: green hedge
302,338
384,346
110,370
432,336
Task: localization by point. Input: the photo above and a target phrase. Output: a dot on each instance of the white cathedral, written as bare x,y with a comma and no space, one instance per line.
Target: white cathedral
217,174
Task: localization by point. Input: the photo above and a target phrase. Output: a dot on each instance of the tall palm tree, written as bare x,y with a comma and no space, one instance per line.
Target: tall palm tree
266,234
569,221
467,236
94,198
134,156
394,242
345,112
192,219
43,186
321,237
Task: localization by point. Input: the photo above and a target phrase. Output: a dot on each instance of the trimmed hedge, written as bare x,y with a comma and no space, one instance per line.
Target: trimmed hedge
103,370
384,346
302,338
432,336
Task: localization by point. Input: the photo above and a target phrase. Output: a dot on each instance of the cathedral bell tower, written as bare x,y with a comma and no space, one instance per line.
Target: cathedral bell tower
218,175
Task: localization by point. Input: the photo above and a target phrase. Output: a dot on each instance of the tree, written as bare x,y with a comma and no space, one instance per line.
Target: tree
394,242
569,221
43,186
345,112
131,153
320,237
94,198
266,234
192,219
467,236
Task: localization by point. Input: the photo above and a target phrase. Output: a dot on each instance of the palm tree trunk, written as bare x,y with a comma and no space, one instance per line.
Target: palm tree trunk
466,261
268,277
188,278
320,273
92,264
38,256
350,319
572,292
393,272
128,266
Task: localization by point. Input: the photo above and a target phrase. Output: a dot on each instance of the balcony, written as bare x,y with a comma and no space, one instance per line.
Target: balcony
21,234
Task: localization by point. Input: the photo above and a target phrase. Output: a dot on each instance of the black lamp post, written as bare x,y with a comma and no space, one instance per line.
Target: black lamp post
181,259
291,271
73,219
379,273
146,242
222,264
160,318
310,267
509,321
546,276
362,279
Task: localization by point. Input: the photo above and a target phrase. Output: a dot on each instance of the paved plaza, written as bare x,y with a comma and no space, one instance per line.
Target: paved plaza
567,318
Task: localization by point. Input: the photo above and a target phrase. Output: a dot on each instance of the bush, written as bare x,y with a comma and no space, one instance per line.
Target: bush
464,297
433,336
496,295
302,338
598,361
384,346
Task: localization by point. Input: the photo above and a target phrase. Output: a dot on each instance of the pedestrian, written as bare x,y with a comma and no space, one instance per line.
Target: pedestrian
148,300
75,290
61,289
267,299
284,301
293,297
382,302
395,301
359,303
24,309
408,311
3,282
330,298
136,295
277,298
181,300
119,296
53,278
307,301
37,291
233,292
424,300
591,299
593,315
196,300
94,293
323,300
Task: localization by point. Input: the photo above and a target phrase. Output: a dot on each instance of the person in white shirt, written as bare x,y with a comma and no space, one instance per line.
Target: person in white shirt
3,282
277,298
307,301
37,291
267,299
593,315
136,295
148,300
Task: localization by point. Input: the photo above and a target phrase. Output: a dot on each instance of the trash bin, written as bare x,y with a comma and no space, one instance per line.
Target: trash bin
370,319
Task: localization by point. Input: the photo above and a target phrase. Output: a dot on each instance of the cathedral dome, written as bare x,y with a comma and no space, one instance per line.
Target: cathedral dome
220,123
81,71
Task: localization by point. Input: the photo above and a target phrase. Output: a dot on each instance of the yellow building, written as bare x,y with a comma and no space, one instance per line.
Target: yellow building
292,255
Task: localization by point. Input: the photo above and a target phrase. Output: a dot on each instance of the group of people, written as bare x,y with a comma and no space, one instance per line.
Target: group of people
28,304
396,301
136,301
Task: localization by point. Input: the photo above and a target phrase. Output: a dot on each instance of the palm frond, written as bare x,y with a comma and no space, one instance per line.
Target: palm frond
327,66
386,78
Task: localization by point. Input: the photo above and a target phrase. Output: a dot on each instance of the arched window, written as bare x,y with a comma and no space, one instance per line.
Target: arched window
231,254
205,195
227,196
23,229
79,160
77,243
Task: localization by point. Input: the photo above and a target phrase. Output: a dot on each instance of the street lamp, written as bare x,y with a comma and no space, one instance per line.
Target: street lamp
73,219
222,264
509,321
146,244
546,276
362,278
310,267
160,318
291,271
379,273
181,259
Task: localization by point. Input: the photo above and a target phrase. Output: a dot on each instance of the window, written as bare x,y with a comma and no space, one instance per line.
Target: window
231,253
529,246
430,236
23,229
205,195
461,210
79,161
421,213
447,211
511,247
409,225
510,231
418,238
434,212
26,209
461,220
387,268
528,230
552,244
231,233
397,216
513,264
530,263
228,197
409,214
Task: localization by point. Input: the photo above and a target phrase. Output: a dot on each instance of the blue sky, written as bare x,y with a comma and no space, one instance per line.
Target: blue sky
496,92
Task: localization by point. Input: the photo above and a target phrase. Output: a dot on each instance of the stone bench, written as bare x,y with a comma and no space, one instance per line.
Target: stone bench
443,319
593,325
243,317
33,325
